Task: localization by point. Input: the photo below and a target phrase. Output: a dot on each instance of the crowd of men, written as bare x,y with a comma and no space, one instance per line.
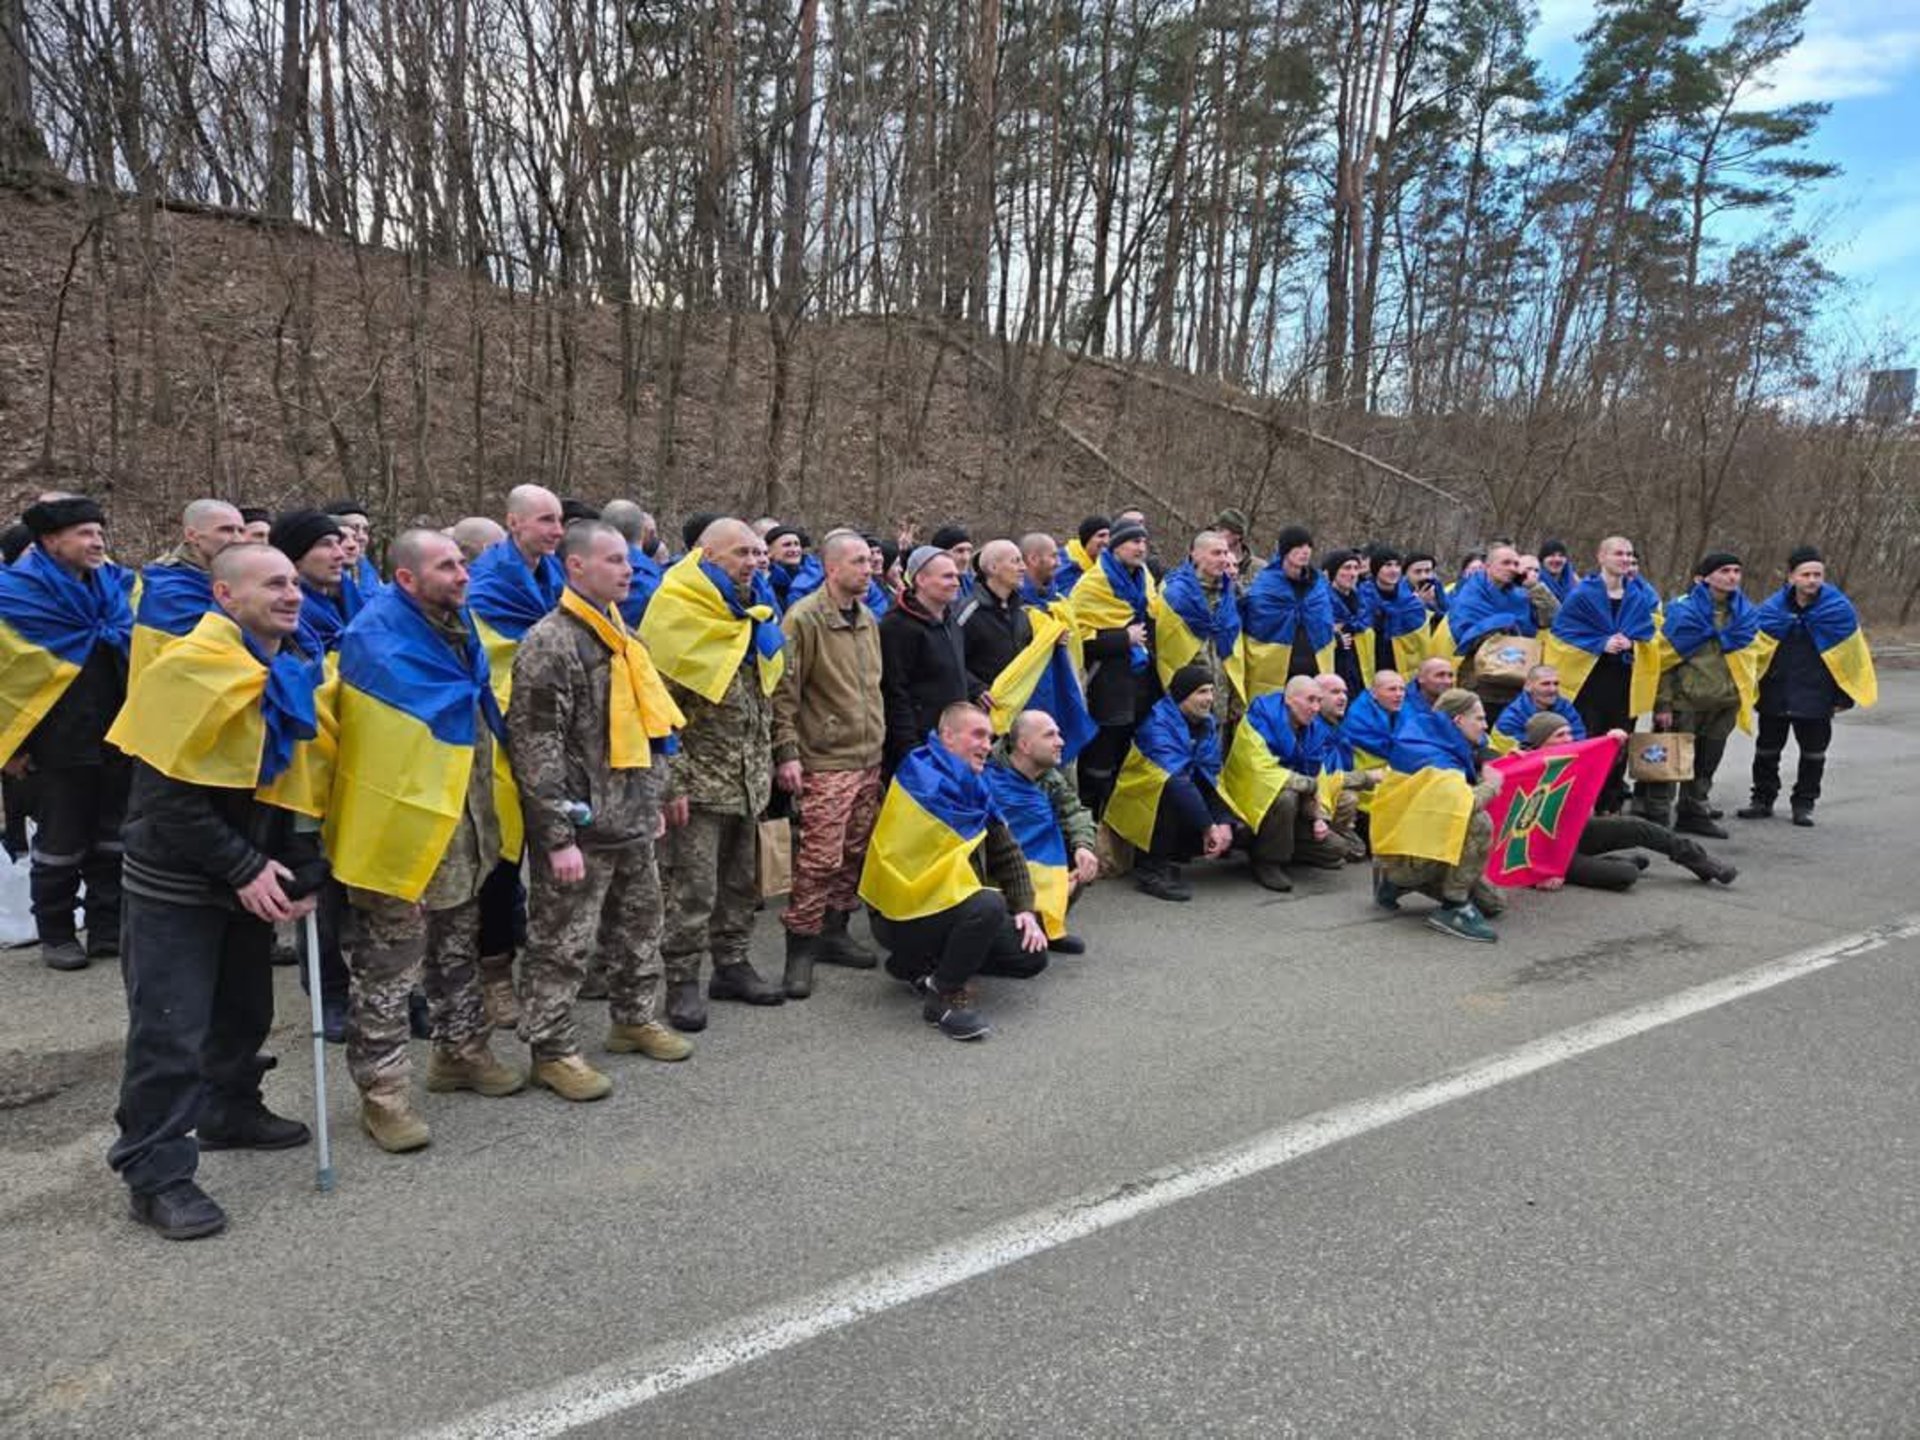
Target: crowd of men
530,761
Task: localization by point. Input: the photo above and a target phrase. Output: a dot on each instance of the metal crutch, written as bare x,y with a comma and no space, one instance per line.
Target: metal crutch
323,1178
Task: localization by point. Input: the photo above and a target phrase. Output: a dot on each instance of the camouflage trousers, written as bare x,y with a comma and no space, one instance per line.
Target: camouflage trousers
1449,884
1285,837
612,918
711,878
837,811
393,945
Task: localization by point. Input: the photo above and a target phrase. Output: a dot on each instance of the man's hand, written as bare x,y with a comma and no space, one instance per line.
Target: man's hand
1616,643
986,701
569,866
1033,938
304,908
1136,634
263,898
19,765
1619,737
1086,866
1499,778
1219,840
788,777
1321,829
674,812
1663,719
1552,882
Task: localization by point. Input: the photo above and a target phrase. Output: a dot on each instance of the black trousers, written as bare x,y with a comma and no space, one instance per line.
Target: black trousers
199,1004
503,910
1812,736
1598,868
975,937
78,812
1099,765
1605,703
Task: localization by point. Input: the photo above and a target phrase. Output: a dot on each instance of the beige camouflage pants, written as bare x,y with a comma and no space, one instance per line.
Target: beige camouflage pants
612,916
1286,835
1449,884
393,945
712,883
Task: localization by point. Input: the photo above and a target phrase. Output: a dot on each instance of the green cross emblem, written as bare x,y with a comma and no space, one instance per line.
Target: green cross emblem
1538,809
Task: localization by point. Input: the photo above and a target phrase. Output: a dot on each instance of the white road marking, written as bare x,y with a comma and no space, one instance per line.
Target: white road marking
627,1384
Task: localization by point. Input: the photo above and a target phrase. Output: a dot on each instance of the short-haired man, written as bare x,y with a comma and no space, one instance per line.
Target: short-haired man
1604,641
1113,607
1167,801
1286,819
1289,616
257,522
356,533
923,654
994,624
1197,620
1040,586
637,528
175,590
1491,601
1432,680
589,712
955,540
1708,630
475,534
1540,697
829,733
210,869
941,923
1039,801
1340,758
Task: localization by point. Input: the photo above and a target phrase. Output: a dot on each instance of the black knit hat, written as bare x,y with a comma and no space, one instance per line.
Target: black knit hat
1092,526
14,541
1550,548
345,505
255,515
1292,538
1801,554
1334,559
1414,557
1121,534
696,526
298,531
572,510
948,536
778,531
44,517
1187,679
1383,555
1715,560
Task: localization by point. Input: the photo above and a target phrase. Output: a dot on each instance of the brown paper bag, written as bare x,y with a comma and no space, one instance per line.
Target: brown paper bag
1506,657
1660,757
776,858
1114,852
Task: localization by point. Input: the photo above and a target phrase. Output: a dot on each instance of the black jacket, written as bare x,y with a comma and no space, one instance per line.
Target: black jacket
994,631
197,844
1117,694
922,671
1798,682
74,731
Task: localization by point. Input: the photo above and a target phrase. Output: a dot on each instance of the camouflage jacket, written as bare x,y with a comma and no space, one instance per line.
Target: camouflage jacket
726,750
1076,822
557,734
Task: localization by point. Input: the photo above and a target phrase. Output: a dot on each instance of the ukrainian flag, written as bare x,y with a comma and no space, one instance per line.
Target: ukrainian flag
1273,615
1073,569
507,596
1163,747
409,709
1406,629
1834,626
1042,677
211,709
50,621
1578,639
698,632
1098,603
172,600
1252,779
920,859
1029,815
1182,617
1689,623
1423,807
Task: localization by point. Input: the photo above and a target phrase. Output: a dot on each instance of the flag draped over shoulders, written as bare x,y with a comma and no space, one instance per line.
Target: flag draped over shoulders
1424,805
1042,677
1274,615
1479,608
1691,622
1265,755
50,622
935,815
1073,569
505,596
1186,623
699,632
1164,747
1577,642
646,580
172,600
1834,627
1402,618
1111,597
1029,815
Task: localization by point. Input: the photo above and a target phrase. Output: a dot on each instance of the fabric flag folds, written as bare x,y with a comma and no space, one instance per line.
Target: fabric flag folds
641,715
1692,621
1547,800
172,600
1110,597
1273,615
1834,627
1578,640
699,632
1042,677
1029,815
1164,746
1185,624
506,596
920,859
49,623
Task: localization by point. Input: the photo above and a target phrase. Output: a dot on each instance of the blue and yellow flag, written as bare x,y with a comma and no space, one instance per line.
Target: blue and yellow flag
410,707
50,621
213,709
646,580
1401,619
1073,569
1478,608
506,596
920,859
324,618
172,600
1577,643
641,715
1185,625
1274,615
1111,597
1164,747
1834,627
1692,622
1042,677
1029,815
699,633
1423,806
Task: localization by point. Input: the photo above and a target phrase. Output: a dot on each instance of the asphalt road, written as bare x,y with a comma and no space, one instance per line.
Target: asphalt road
1704,1228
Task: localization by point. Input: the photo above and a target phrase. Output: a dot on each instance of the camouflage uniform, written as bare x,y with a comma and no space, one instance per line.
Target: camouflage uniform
435,941
725,773
1463,880
557,730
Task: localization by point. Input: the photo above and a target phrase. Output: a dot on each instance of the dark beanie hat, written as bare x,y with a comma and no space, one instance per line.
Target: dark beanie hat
1801,554
1383,555
1414,557
298,531
572,510
1292,538
1550,548
889,552
1187,679
345,505
255,515
779,531
1334,559
14,541
1715,560
1542,728
1120,534
1231,519
44,517
948,536
1092,526
696,526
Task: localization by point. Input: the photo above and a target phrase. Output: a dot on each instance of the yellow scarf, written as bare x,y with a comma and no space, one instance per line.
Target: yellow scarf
639,709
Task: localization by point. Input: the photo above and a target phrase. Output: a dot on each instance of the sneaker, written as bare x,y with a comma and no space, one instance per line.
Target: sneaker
1488,898
1162,882
180,1211
63,955
1067,945
1463,922
952,1011
251,1127
653,1040
1386,894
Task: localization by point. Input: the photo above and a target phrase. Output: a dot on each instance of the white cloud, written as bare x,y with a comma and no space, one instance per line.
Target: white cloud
1843,67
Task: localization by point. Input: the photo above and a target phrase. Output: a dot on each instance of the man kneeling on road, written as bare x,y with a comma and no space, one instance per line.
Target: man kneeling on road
1167,801
939,843
1272,778
1057,833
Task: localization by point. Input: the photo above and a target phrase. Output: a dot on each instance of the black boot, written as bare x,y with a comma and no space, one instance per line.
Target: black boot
248,1125
686,1006
1803,814
837,947
1700,825
1806,785
740,981
802,950
1160,880
63,954
1758,810
1692,855
180,1211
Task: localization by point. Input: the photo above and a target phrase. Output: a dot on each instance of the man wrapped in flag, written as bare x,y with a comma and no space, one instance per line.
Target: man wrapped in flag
1605,643
1490,603
356,540
1083,552
1197,620
1343,781
1393,634
1167,802
1288,617
1557,570
227,739
416,823
1057,834
1431,828
1812,659
949,888
1707,686
65,631
994,623
1042,676
176,590
1040,585
1113,607
637,527
1540,697
591,725
1282,777
714,638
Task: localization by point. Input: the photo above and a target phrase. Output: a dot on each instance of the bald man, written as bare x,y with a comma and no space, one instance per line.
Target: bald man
476,533
637,528
994,625
172,603
1432,680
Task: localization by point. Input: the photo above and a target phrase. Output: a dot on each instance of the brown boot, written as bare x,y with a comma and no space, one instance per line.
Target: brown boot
472,1067
503,1006
653,1040
389,1117
571,1078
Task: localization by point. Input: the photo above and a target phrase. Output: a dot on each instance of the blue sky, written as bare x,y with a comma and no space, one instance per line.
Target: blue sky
1863,58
